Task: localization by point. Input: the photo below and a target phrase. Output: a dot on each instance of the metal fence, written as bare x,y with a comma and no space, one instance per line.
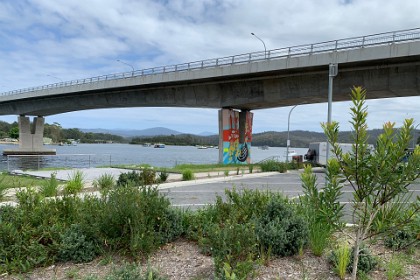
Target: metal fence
37,162
300,50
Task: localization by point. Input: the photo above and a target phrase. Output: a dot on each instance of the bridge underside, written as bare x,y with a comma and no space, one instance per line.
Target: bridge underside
382,79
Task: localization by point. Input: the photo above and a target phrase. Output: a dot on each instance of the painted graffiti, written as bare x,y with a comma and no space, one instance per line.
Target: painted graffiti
233,150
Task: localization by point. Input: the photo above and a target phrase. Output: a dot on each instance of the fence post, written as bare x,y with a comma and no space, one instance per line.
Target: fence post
89,161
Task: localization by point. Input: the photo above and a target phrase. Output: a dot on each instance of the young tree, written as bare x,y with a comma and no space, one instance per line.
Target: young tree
377,177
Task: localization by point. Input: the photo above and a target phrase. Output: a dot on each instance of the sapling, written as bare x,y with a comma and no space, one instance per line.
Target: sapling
377,177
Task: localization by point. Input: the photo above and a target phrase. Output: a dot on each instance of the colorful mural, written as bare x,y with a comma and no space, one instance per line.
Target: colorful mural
233,150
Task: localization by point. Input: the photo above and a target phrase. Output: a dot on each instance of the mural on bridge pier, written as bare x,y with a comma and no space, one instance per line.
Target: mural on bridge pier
237,136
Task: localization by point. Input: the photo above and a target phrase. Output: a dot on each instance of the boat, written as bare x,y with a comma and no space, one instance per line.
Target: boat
202,147
147,145
159,145
292,153
265,147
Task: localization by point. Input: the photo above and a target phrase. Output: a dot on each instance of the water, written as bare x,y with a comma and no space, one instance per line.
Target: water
92,155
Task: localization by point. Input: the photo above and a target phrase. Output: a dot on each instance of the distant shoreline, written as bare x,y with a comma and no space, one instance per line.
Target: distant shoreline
9,142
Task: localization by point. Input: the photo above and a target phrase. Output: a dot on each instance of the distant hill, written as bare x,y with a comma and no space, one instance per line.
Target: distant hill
154,131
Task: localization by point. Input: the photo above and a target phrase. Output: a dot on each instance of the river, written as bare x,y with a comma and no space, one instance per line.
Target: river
93,155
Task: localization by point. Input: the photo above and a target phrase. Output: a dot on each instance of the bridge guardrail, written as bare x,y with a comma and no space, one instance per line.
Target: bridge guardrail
300,50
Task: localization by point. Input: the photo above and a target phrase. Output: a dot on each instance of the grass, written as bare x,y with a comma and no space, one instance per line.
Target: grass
179,168
13,181
395,268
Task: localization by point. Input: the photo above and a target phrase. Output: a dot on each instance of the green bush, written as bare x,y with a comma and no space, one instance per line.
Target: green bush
76,246
104,182
138,220
129,179
75,183
187,175
236,245
133,272
269,165
148,176
400,239
281,228
49,187
163,176
367,262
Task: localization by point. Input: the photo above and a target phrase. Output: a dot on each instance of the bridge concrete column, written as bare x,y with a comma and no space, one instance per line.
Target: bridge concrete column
235,136
31,136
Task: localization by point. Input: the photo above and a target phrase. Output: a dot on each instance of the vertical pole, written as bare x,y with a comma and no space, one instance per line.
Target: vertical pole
288,131
333,70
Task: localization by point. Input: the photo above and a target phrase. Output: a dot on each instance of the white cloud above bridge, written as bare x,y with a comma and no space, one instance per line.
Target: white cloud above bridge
46,41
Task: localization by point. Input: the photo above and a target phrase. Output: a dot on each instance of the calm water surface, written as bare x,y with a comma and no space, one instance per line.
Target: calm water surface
91,155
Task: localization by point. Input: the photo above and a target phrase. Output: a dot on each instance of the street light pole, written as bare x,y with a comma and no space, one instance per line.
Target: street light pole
288,131
132,72
265,49
333,70
55,77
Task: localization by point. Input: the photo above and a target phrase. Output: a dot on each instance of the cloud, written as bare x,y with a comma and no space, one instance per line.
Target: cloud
43,39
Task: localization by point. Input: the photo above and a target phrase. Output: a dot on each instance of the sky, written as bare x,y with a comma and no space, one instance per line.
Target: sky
48,41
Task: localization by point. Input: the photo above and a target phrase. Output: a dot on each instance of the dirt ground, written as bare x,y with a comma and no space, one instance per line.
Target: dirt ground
182,260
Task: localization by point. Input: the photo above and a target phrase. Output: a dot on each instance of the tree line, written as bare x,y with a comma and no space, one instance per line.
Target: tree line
59,134
298,138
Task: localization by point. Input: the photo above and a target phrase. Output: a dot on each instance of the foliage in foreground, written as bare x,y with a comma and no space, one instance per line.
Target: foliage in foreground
38,232
377,177
245,228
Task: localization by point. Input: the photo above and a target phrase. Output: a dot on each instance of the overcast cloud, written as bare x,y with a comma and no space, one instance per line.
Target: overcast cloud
45,41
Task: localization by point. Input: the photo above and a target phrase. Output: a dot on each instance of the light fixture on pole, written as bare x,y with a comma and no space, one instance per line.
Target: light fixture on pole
288,131
265,49
132,67
55,77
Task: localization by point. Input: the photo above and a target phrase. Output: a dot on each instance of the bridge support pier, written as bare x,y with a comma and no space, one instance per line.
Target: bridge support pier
235,136
31,138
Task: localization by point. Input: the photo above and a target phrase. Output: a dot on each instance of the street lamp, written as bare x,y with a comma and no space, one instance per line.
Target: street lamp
333,71
132,73
288,131
55,77
265,49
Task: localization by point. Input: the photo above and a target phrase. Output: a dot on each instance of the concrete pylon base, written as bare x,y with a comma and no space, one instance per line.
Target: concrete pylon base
30,138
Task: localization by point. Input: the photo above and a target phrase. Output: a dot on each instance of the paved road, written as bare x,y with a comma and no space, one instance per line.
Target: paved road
201,192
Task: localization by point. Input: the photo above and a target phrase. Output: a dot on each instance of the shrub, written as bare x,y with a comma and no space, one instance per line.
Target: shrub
133,272
281,229
395,268
269,165
75,183
366,263
163,176
341,259
50,187
76,246
104,182
250,168
187,175
138,220
129,179
234,245
399,240
148,176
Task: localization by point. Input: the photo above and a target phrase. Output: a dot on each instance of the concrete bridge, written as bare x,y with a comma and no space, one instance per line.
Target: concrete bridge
386,64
